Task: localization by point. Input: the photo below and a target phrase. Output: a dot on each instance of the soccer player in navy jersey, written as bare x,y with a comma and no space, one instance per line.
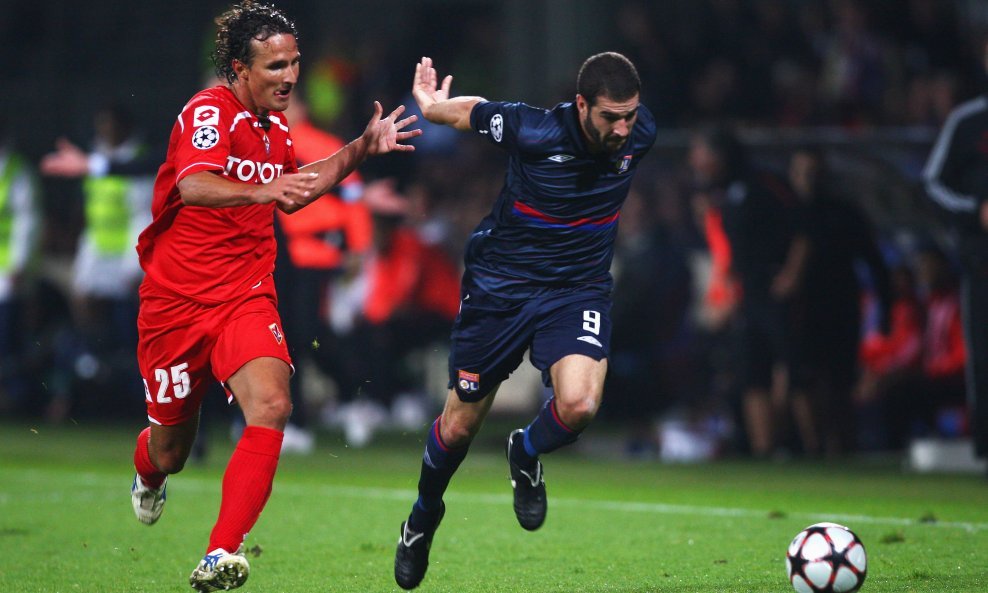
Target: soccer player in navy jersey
537,278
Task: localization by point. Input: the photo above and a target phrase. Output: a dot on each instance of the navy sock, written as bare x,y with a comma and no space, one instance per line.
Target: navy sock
439,463
545,434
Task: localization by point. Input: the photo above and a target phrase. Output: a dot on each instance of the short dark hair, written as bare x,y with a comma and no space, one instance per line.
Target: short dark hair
610,75
238,26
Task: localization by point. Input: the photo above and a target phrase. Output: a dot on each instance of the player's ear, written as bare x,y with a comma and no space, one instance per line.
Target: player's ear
240,69
581,104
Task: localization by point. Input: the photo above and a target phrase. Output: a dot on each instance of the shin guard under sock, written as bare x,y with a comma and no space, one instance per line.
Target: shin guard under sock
150,475
246,486
545,434
439,463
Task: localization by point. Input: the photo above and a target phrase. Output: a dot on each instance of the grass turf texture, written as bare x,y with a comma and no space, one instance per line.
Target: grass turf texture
614,526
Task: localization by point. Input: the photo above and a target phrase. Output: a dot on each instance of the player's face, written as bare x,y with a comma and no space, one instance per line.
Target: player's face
266,84
608,123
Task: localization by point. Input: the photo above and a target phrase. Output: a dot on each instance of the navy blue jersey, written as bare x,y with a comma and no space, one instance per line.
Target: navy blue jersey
554,223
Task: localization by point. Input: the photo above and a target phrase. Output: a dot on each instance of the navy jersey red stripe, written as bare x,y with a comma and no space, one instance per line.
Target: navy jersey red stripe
555,220
544,220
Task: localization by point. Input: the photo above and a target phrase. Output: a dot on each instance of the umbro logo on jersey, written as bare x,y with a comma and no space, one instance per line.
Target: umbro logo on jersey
206,115
561,158
591,340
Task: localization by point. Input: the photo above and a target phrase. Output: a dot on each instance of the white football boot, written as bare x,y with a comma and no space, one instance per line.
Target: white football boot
220,570
148,502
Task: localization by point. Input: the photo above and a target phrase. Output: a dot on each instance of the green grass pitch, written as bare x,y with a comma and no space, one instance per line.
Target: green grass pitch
618,526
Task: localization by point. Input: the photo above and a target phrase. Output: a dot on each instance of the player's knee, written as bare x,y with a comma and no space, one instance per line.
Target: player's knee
457,433
577,412
274,411
170,461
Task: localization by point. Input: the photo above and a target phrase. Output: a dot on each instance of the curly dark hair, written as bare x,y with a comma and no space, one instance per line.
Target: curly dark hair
239,25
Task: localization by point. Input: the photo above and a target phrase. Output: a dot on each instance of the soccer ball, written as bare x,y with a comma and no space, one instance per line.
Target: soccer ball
826,558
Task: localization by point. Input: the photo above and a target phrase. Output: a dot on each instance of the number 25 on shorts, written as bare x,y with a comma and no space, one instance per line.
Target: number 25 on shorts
177,378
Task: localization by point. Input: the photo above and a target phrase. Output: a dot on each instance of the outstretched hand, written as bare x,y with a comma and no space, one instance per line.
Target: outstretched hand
386,135
425,86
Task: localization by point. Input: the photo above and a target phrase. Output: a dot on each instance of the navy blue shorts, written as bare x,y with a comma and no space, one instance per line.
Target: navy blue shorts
491,334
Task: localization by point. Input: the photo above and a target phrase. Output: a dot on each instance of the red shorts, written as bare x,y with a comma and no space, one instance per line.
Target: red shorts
183,345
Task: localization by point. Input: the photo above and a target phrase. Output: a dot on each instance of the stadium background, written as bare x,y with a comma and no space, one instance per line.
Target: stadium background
772,67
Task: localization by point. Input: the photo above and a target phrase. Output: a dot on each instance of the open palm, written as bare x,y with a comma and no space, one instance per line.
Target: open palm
425,86
387,134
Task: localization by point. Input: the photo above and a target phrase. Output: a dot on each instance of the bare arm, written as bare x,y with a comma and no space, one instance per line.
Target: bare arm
296,190
210,190
380,136
434,100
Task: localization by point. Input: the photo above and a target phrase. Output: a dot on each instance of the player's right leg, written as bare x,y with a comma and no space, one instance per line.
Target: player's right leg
446,446
160,450
174,364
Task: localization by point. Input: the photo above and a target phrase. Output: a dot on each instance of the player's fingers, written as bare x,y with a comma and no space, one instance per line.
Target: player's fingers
447,82
408,134
394,114
406,122
417,80
378,110
284,196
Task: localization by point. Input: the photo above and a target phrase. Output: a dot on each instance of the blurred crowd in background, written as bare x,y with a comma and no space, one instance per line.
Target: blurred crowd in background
827,109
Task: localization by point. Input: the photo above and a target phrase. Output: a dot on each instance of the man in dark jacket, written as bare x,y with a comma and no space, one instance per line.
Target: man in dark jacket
956,179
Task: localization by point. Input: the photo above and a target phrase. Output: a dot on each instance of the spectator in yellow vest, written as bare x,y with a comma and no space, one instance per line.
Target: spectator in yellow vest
18,225
117,179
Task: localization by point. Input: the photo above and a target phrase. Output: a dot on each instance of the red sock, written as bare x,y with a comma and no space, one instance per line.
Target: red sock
246,486
150,475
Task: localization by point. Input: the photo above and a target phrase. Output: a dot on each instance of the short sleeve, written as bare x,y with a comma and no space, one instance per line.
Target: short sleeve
203,141
499,122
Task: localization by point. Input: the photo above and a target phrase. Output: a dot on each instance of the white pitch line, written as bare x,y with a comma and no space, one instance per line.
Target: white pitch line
399,494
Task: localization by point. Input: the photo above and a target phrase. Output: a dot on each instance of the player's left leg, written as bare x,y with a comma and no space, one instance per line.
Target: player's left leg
446,447
578,386
261,389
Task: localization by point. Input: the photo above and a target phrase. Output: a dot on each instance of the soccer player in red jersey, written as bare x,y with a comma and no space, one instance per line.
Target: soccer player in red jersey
208,305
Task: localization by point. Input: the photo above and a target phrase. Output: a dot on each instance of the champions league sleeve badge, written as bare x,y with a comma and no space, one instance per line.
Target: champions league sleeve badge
623,165
205,137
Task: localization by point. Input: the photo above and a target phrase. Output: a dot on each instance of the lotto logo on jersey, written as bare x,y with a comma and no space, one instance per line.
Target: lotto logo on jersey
468,382
205,115
247,170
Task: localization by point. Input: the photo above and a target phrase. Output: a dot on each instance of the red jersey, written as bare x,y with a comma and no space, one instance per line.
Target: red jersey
212,255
